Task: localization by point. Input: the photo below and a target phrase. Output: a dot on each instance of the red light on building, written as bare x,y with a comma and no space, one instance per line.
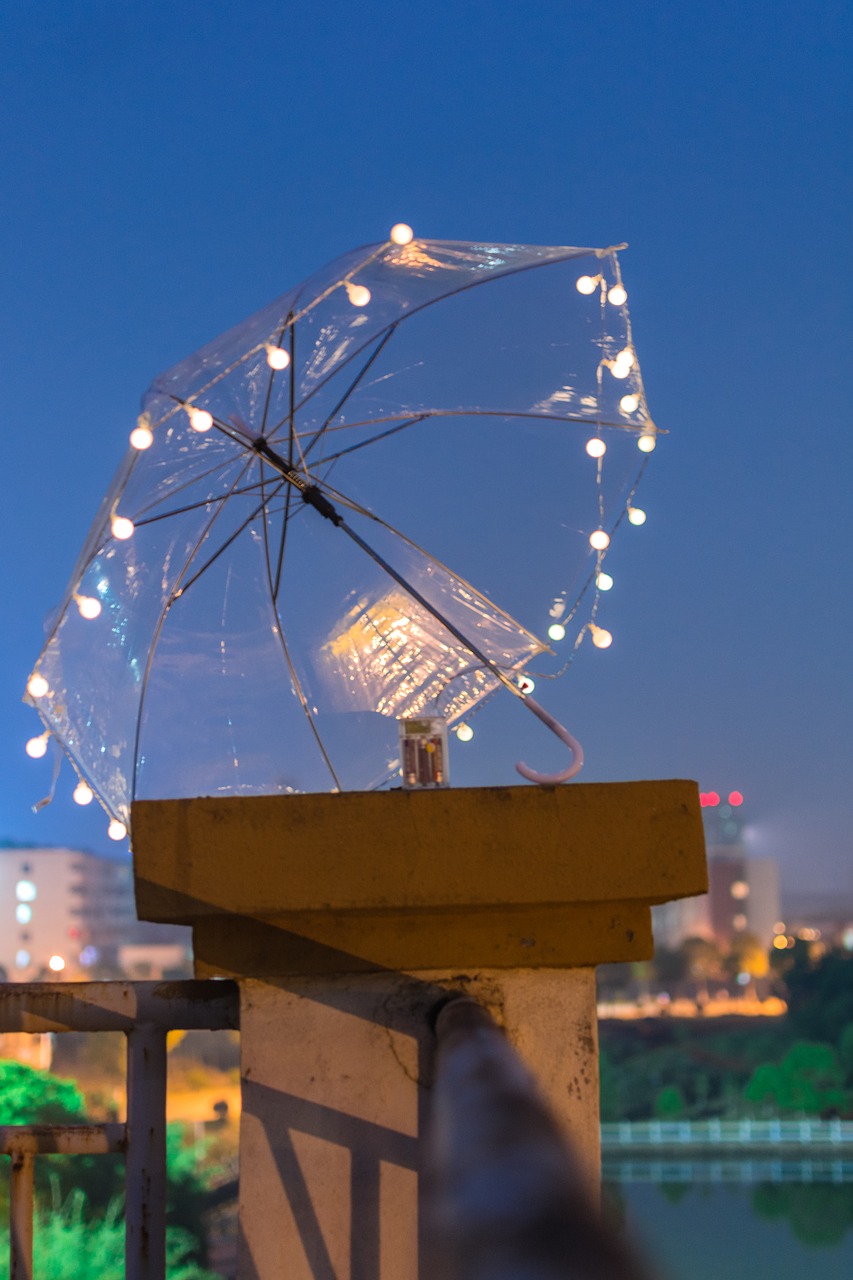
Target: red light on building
712,799
735,798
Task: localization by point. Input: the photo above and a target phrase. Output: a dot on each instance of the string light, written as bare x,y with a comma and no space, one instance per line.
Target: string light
525,684
587,284
626,357
358,294
82,793
89,607
636,515
464,732
629,404
37,686
277,357
604,581
600,638
596,448
37,747
646,443
200,419
617,295
122,528
599,540
401,233
556,631
142,437
116,830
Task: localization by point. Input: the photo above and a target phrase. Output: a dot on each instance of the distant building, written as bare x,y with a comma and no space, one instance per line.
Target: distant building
743,890
65,912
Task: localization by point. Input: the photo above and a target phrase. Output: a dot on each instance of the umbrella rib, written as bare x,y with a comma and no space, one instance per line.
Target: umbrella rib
351,388
195,506
431,302
371,515
281,334
416,595
232,537
164,612
311,495
420,414
279,632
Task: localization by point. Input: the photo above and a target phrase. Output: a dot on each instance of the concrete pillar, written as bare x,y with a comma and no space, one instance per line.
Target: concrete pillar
336,1084
346,919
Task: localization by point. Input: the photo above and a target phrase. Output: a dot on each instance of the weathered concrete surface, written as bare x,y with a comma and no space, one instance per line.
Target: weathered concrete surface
496,876
336,1083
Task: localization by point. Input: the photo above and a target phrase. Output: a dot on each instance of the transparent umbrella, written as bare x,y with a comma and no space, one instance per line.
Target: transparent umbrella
381,497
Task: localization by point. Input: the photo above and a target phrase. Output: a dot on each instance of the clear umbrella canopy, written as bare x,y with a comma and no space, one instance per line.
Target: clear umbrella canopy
371,500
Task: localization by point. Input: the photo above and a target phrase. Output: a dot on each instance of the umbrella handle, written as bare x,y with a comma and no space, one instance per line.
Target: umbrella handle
552,779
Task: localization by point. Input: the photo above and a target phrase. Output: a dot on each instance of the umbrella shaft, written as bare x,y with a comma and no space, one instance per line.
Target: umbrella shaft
309,492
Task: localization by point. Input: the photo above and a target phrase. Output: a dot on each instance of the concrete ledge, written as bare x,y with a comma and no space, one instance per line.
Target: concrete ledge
501,876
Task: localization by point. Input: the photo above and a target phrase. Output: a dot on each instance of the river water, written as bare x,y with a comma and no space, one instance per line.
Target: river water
739,1230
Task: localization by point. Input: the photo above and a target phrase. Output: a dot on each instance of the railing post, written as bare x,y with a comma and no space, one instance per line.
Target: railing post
506,1196
145,1175
21,1216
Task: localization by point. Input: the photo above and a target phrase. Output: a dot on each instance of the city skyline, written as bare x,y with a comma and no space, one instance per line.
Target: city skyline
170,174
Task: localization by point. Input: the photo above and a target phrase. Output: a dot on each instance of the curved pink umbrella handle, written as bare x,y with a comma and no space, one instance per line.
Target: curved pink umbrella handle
552,779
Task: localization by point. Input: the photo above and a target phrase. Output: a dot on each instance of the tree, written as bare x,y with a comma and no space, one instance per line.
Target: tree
809,1079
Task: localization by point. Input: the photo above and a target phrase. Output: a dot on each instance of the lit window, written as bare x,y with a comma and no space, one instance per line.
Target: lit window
25,891
23,913
22,959
739,889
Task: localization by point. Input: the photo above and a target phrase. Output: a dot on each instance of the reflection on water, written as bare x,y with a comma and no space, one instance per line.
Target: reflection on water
737,1230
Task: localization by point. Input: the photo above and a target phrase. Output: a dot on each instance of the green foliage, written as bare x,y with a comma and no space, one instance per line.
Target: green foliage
809,1080
669,1104
845,1052
36,1097
68,1244
92,1187
820,994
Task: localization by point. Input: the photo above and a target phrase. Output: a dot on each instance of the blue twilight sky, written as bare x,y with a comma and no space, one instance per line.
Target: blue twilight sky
170,168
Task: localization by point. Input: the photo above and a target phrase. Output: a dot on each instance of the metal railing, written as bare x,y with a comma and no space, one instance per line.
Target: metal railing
506,1196
811,1132
145,1012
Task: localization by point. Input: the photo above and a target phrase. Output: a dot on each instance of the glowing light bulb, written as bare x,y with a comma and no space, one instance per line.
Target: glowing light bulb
596,448
646,444
142,438
604,581
556,631
599,540
200,419
358,294
116,830
587,284
122,528
401,233
629,404
600,638
525,684
56,963
617,295
37,686
277,357
620,370
625,356
636,515
37,747
89,607
464,732
82,793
